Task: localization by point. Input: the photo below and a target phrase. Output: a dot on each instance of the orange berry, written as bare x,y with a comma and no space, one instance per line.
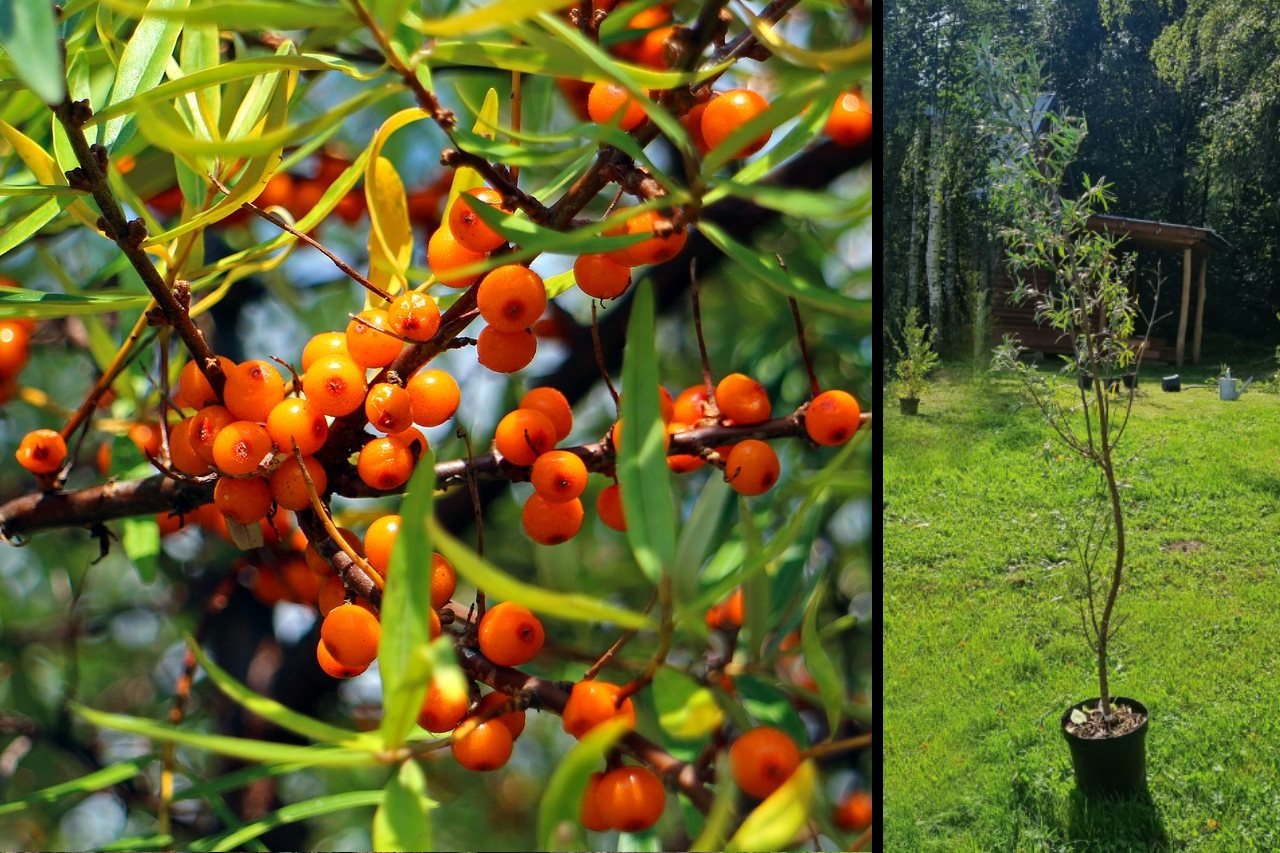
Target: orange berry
146,437
742,399
367,341
607,102
240,448
505,352
589,813
728,614
832,418
294,422
433,397
692,122
730,111
15,347
332,593
415,316
850,122
554,405
181,452
42,451
510,635
752,467
856,811
666,406
592,703
335,385
466,225
379,539
412,439
486,747
194,390
384,464
388,408
277,192
690,405
322,345
630,798
559,476
524,435
762,759
252,391
243,501
652,50
332,667
609,508
550,523
204,429
511,298
601,277
441,712
654,250
443,581
351,633
513,720
445,254
289,487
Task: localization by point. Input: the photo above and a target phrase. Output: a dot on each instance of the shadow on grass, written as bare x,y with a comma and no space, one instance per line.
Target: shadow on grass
1133,823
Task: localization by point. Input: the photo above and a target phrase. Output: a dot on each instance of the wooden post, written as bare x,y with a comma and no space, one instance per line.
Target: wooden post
1186,303
1195,345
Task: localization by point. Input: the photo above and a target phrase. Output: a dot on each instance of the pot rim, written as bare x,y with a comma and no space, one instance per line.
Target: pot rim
1124,700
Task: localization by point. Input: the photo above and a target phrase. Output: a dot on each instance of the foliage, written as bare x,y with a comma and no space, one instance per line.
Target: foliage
916,357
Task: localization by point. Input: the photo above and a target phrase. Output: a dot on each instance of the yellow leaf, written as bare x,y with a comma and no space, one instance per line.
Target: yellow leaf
698,716
45,169
775,823
826,60
390,237
465,177
502,13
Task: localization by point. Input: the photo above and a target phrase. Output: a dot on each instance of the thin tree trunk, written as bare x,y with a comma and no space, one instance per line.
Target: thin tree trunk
952,297
933,243
913,240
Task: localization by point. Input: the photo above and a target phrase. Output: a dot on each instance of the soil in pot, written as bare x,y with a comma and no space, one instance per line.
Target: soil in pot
909,405
1108,760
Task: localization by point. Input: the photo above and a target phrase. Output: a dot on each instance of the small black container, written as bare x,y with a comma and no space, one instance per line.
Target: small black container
1114,766
1130,380
1171,383
909,405
1086,381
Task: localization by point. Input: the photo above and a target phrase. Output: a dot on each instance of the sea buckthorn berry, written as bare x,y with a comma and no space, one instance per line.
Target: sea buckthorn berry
554,405
442,711
146,437
15,347
762,759
645,19
559,476
601,277
445,255
607,102
444,580
752,467
592,703
332,593
730,111
240,448
332,667
550,523
368,341
505,352
181,452
742,399
654,250
524,435
253,389
297,423
666,406
194,390
466,225
388,408
728,614
511,298
589,813
850,121
832,418
384,464
302,583
335,385
243,501
631,798
433,397
433,624
277,192
42,451
322,345
609,508
379,539
204,429
414,315
682,463
692,122
351,633
855,812
513,720
289,487
412,439
690,405
652,50
318,564
510,635
486,747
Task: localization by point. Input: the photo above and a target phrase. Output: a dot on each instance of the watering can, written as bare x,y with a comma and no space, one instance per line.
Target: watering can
1229,388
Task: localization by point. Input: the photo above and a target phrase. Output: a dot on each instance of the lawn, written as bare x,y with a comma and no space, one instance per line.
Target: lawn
983,647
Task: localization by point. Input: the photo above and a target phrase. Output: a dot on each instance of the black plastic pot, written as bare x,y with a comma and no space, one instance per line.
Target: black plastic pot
1086,381
1114,766
1171,383
909,405
1130,380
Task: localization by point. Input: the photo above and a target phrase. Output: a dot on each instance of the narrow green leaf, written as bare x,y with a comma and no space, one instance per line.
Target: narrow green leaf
403,656
143,61
29,34
566,605
720,816
141,541
403,818
90,782
235,780
643,475
25,190
501,13
388,14
755,589
248,15
775,823
698,534
804,204
818,661
558,813
769,706
138,842
292,813
17,232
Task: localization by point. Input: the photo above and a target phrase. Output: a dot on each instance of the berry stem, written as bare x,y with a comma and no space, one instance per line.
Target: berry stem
814,388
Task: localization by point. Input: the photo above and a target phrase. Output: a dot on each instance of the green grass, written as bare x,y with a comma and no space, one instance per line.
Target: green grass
983,646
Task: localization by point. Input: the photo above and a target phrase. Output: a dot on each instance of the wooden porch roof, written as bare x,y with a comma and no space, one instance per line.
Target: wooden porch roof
1161,236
